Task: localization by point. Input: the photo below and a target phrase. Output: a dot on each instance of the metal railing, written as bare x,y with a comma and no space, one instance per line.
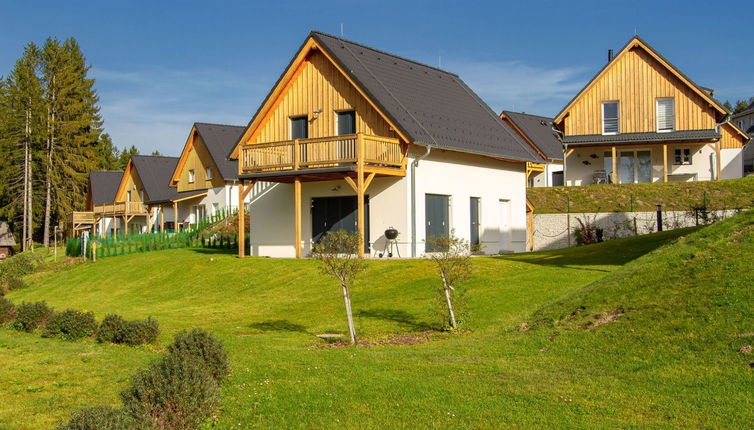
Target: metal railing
321,152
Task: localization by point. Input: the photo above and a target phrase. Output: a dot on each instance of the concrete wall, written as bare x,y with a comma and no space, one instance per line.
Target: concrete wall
459,176
550,230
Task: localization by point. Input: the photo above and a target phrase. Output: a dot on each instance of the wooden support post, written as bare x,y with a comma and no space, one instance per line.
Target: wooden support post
360,191
115,226
241,222
614,174
175,217
297,215
125,225
149,219
162,218
665,162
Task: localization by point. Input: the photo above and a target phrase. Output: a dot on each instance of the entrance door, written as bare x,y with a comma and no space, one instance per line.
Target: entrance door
505,220
436,212
474,215
338,213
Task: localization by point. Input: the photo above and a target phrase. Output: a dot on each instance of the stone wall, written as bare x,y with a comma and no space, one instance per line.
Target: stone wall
550,229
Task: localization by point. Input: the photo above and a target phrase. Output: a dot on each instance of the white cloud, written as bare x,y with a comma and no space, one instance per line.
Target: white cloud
155,108
514,85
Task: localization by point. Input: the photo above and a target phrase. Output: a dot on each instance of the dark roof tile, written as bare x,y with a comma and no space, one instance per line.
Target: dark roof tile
220,140
539,130
104,184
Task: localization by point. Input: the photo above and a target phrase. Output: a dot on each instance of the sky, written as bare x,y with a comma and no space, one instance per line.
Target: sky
160,66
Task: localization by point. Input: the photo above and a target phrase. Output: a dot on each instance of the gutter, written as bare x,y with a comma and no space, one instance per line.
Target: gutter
414,165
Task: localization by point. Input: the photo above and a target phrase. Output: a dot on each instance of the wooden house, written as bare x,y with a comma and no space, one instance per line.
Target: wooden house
203,167
354,138
539,132
640,119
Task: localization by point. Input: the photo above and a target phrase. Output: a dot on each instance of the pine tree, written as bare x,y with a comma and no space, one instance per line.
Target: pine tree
108,153
125,155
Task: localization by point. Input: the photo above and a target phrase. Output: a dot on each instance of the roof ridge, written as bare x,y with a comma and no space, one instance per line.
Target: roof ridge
408,60
527,114
221,125
152,156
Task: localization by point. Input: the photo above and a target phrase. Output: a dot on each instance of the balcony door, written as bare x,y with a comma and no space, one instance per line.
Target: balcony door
634,167
336,214
345,123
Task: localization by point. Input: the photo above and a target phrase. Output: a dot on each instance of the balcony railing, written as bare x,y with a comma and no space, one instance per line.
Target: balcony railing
78,217
120,208
334,151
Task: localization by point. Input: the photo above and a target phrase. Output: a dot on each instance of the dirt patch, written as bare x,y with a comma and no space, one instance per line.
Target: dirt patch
402,339
603,318
742,231
523,327
751,334
746,350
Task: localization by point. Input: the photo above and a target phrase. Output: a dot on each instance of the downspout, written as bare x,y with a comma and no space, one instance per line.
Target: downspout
414,164
725,119
559,135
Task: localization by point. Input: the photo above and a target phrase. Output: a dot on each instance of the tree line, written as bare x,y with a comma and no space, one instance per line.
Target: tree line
739,106
51,137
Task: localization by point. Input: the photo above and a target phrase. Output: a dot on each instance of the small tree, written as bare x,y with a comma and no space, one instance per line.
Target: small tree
452,256
339,253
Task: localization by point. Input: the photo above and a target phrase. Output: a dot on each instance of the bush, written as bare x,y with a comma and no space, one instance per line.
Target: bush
7,310
15,284
175,393
98,418
19,265
200,344
29,316
115,329
71,325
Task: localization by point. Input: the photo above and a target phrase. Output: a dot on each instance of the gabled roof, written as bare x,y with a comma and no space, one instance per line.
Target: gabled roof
538,132
635,42
154,172
219,140
103,185
425,105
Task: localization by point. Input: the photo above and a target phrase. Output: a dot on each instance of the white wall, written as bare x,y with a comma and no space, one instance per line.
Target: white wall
732,163
461,176
544,179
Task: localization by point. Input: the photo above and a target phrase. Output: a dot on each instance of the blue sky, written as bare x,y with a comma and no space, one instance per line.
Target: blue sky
162,65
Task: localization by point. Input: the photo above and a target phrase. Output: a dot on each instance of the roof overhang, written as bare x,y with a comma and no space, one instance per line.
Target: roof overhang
692,136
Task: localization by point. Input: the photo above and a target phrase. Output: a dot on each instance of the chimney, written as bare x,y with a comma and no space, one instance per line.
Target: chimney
610,55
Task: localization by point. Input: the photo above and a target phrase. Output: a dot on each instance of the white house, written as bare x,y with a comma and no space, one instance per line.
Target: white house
358,139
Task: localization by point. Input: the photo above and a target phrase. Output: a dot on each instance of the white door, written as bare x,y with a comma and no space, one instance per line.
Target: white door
505,222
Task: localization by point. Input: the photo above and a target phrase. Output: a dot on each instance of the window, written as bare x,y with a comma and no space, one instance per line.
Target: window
209,173
299,127
346,122
682,156
128,195
634,166
740,123
610,118
192,177
665,115
607,157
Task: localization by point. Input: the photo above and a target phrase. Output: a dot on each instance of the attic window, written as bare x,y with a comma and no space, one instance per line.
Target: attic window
192,176
610,118
665,115
209,173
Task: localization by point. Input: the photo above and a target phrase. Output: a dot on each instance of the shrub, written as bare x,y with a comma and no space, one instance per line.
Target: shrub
115,329
71,325
175,393
98,418
7,311
201,345
15,284
29,316
20,265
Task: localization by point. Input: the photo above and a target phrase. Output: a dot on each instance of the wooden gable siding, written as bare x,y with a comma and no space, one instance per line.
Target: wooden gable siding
731,138
320,85
134,184
198,159
637,80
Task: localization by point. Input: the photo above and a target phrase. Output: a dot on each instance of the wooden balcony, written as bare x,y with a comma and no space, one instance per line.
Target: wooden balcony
375,152
120,209
82,217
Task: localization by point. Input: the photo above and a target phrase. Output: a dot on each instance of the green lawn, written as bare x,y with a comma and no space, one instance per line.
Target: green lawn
677,196
670,361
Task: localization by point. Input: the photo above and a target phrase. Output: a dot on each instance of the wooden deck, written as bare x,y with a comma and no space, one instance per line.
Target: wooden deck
334,151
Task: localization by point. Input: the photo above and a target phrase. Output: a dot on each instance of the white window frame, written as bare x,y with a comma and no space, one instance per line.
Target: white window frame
683,163
603,117
191,176
657,114
208,172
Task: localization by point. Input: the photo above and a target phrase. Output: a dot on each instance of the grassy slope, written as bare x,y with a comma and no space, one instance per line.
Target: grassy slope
727,194
267,311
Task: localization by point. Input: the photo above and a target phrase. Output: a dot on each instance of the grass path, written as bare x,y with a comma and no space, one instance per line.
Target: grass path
267,312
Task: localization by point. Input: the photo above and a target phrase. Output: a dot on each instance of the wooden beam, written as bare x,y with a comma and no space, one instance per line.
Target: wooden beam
665,162
368,181
175,217
350,182
241,220
360,188
615,166
162,218
569,152
125,224
297,215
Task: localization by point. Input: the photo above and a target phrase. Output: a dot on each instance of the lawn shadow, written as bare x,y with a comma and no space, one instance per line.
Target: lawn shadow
214,251
280,325
401,317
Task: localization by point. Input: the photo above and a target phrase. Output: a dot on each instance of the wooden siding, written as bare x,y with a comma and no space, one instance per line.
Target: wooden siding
637,80
731,139
320,85
134,184
198,159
